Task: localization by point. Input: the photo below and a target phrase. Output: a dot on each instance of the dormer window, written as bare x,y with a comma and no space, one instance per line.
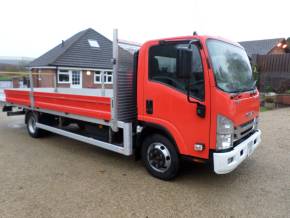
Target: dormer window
94,43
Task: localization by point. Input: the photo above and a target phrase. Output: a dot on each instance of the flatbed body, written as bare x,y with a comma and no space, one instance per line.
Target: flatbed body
92,103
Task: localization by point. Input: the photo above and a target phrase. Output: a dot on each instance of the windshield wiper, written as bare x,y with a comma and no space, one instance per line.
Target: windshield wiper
251,88
254,84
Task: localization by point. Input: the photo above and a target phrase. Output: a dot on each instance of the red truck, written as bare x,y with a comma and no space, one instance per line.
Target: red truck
190,97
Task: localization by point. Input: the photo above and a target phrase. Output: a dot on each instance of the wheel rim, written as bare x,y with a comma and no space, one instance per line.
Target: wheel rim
159,157
32,124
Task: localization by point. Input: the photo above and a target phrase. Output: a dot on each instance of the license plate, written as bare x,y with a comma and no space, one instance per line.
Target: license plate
250,147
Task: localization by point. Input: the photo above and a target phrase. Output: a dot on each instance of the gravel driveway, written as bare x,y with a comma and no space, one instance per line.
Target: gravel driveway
59,177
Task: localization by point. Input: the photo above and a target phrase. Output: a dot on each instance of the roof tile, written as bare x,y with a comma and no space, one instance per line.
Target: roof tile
77,52
261,47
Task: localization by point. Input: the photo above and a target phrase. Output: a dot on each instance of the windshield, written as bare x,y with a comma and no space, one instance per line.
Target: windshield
231,66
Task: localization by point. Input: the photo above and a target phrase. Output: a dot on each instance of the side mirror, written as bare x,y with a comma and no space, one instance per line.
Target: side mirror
184,63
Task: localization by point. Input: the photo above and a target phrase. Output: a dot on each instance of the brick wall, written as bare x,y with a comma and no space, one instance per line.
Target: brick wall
43,78
35,78
47,78
15,82
63,85
88,80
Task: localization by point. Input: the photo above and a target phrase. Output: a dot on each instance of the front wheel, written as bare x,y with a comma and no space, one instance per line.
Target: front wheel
160,157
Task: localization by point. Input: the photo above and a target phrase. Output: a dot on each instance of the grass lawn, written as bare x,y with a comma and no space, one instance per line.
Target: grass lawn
263,109
3,78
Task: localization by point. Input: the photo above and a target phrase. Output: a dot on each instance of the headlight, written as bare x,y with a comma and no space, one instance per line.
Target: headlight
225,131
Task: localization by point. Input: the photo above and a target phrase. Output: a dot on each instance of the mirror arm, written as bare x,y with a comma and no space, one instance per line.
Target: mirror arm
195,41
190,101
200,110
188,95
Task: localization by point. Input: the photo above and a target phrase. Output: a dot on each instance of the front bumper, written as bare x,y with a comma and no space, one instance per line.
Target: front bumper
228,161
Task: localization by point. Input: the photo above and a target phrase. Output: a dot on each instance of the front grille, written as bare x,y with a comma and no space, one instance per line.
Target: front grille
244,131
244,138
247,123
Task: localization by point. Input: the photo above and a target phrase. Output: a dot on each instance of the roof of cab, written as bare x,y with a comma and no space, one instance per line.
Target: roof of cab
203,38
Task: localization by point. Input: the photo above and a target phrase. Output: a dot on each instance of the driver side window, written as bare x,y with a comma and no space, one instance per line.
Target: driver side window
162,68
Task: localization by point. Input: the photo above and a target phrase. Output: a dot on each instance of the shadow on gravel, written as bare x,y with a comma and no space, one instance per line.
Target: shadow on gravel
189,171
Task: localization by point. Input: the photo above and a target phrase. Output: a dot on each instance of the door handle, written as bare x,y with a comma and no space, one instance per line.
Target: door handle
149,106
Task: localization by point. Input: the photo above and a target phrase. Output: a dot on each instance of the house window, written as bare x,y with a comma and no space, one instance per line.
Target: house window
103,76
108,77
98,77
94,43
63,76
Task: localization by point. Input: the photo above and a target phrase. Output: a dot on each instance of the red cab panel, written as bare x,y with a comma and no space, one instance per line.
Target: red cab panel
171,109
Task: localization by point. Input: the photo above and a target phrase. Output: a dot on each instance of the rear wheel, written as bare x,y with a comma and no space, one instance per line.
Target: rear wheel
160,157
31,120
81,125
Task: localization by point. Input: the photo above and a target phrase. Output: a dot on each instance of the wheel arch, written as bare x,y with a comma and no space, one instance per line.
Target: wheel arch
27,113
150,129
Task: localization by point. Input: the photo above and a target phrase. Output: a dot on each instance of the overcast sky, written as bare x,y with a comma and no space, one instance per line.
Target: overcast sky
31,27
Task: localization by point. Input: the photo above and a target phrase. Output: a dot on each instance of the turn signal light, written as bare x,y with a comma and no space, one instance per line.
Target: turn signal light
199,147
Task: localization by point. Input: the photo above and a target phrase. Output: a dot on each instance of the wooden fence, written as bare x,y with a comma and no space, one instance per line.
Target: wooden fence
274,72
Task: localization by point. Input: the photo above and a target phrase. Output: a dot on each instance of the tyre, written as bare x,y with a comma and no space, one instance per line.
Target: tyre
31,120
160,157
81,125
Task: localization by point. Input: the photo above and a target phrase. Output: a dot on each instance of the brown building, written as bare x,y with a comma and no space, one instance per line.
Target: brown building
264,47
82,61
270,60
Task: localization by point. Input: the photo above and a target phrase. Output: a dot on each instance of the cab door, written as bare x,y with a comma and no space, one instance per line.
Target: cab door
165,101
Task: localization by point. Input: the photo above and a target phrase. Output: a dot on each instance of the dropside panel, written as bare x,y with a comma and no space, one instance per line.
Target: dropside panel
89,106
18,97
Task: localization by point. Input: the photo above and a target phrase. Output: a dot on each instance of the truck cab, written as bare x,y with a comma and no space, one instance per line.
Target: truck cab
199,94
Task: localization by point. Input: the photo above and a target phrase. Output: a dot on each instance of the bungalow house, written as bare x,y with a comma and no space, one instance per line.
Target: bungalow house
82,61
264,47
